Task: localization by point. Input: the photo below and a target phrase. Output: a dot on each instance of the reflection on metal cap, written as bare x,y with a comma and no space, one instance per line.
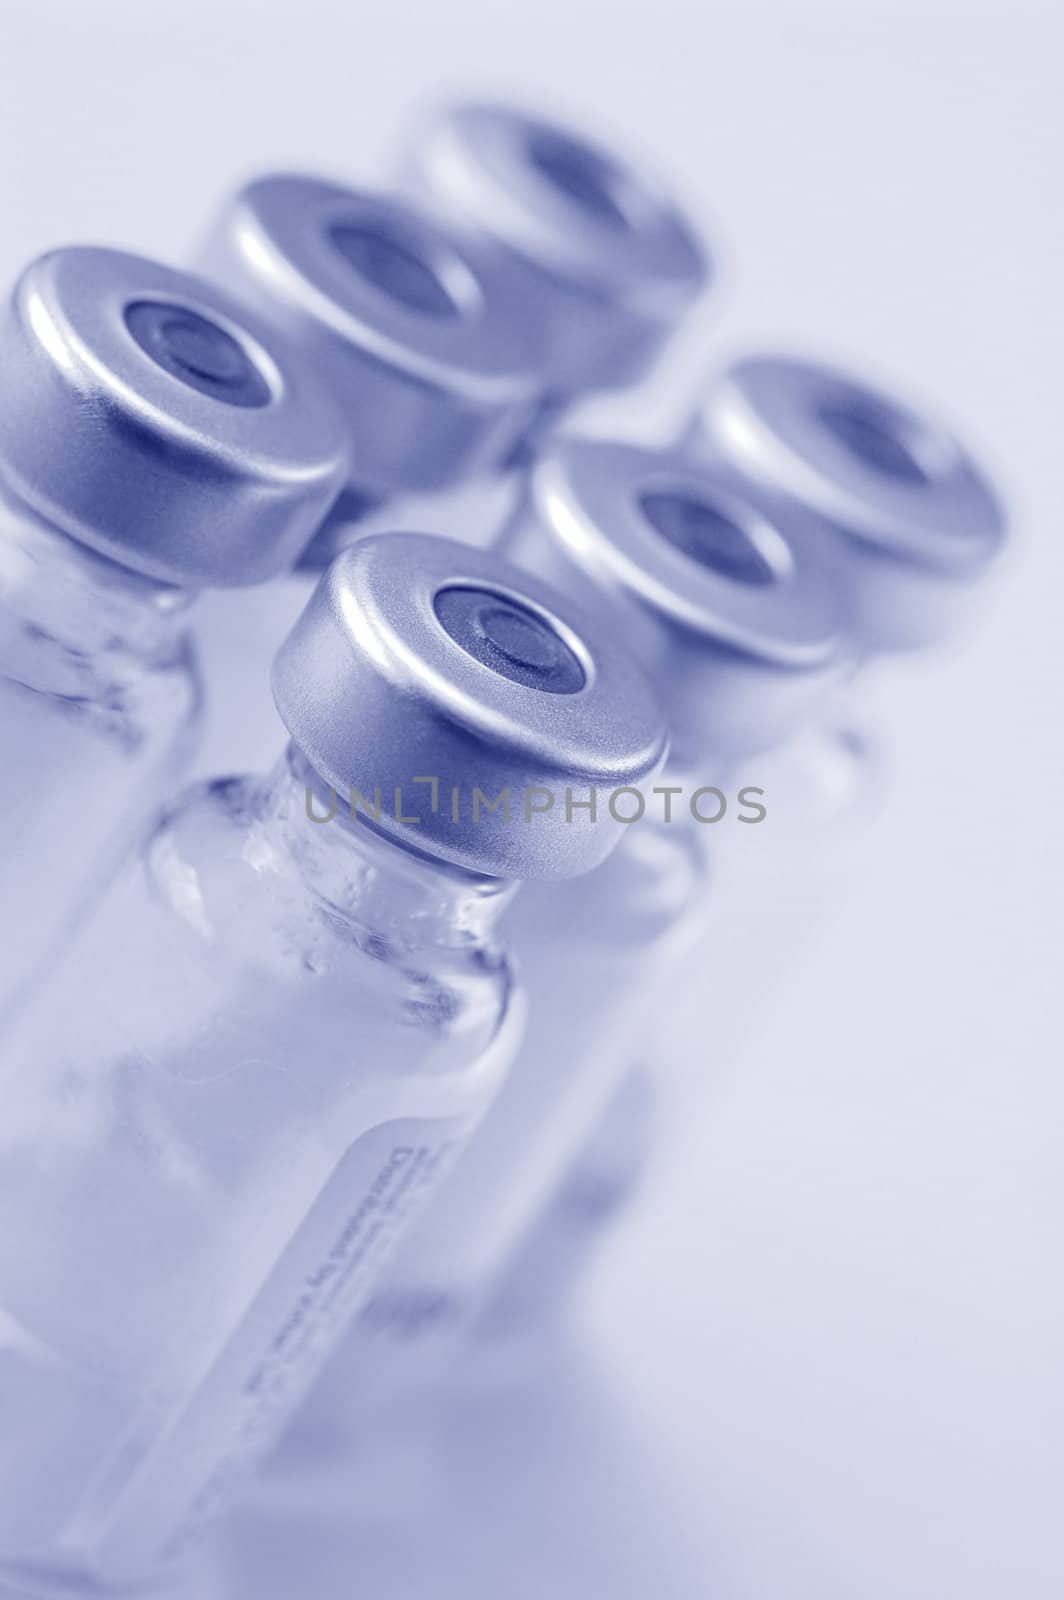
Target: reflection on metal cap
146,416
423,666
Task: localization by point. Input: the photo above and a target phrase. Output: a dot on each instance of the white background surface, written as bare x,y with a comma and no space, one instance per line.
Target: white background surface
840,1321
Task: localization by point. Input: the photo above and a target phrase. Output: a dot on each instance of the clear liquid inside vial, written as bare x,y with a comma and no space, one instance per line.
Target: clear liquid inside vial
593,953
235,1019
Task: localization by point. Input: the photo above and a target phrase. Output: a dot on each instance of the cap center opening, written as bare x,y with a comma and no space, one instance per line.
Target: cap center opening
396,265
510,638
197,351
708,535
879,438
582,176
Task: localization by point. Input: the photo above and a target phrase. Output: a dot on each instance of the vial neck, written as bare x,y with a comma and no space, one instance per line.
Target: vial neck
348,520
70,614
390,893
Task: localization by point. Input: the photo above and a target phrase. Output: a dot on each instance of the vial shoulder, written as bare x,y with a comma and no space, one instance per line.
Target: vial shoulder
218,865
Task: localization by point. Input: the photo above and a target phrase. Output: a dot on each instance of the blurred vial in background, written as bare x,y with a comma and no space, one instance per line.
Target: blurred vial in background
742,624
451,327
913,521
911,526
550,1264
271,1041
590,235
908,525
432,358
151,443
741,628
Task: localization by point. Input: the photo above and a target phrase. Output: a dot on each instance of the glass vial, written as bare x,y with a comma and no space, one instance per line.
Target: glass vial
590,235
912,520
271,1041
151,444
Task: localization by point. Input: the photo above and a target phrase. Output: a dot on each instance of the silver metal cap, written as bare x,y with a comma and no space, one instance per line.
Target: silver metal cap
917,519
591,236
424,667
143,414
734,613
434,360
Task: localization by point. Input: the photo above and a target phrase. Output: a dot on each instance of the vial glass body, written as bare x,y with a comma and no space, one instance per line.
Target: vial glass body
99,708
770,893
773,885
271,1040
593,954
